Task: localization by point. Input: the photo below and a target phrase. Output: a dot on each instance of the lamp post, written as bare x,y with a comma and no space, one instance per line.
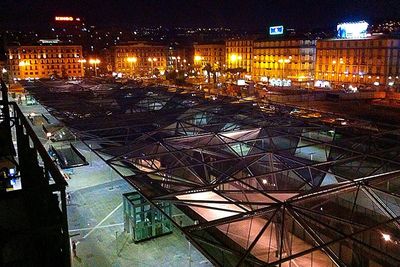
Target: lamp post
132,60
94,62
335,69
22,64
197,64
176,61
283,61
3,73
197,60
152,60
82,61
233,58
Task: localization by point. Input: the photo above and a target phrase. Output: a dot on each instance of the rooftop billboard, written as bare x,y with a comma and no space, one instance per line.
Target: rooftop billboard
352,30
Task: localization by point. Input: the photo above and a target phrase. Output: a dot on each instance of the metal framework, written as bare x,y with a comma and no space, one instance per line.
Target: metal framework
259,184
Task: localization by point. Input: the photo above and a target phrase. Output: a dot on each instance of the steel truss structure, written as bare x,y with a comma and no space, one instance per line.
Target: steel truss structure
257,187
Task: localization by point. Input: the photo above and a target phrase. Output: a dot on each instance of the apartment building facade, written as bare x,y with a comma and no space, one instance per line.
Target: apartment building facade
140,58
289,60
239,54
372,62
45,61
210,53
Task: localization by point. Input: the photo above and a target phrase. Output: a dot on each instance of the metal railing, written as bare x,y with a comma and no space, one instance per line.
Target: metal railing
40,177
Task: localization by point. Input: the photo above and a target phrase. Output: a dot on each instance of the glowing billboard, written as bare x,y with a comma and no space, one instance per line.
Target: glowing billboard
275,30
352,30
64,18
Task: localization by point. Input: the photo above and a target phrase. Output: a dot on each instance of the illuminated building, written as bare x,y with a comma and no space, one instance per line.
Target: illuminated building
44,61
211,53
291,59
239,54
149,57
180,56
368,62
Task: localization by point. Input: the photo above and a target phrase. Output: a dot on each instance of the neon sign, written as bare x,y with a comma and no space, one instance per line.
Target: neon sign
275,30
64,18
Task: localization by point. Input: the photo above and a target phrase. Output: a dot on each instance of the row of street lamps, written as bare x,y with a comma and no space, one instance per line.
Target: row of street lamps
92,61
133,60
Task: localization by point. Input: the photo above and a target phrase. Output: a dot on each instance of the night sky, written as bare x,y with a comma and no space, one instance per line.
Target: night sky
245,14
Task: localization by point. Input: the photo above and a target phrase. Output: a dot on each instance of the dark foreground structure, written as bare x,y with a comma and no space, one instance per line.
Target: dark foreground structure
250,184
33,221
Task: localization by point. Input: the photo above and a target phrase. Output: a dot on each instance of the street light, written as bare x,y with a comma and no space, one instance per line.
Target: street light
94,62
176,61
335,69
283,61
152,60
197,59
24,63
235,58
178,58
82,61
132,60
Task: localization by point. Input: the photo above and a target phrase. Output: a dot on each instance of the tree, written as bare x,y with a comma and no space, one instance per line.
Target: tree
208,69
176,77
64,74
236,71
216,69
54,75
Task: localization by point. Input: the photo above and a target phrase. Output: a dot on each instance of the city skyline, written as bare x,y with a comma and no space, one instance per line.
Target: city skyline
251,15
200,133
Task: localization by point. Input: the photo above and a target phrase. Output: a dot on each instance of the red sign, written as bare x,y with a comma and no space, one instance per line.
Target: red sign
64,18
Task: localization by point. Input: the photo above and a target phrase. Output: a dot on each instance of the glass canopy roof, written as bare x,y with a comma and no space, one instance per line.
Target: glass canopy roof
262,184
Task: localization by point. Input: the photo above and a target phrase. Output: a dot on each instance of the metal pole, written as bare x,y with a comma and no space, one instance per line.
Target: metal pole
337,75
95,69
116,243
190,254
6,114
131,68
